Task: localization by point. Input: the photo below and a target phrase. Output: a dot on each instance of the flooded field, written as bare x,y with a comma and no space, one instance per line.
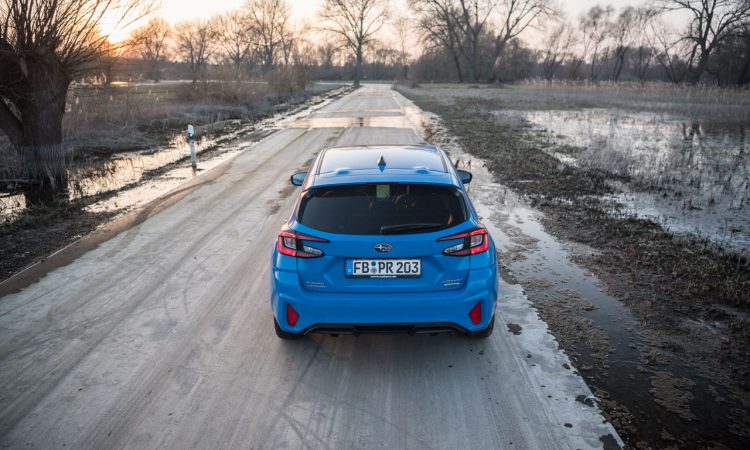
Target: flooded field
591,186
687,175
130,179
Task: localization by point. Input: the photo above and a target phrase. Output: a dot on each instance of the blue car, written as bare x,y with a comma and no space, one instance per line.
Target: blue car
383,239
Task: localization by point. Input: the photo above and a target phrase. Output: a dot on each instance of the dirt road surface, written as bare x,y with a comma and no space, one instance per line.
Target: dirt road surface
162,336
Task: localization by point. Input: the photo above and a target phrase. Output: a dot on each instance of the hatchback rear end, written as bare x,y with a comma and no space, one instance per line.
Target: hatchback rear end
383,239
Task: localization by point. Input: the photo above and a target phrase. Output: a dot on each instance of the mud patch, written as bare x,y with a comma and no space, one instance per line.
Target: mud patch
571,328
609,442
514,328
673,394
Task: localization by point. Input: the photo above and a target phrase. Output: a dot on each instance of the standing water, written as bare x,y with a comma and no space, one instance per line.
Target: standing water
688,176
131,179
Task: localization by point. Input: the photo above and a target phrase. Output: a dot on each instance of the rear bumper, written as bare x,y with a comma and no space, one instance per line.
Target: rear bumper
386,328
419,312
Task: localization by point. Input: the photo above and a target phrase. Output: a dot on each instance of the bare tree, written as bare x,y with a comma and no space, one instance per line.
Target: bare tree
666,50
437,21
623,33
195,42
711,22
644,55
234,37
291,41
109,61
642,61
515,17
556,49
326,53
402,26
356,22
44,45
473,17
595,26
742,36
150,42
269,22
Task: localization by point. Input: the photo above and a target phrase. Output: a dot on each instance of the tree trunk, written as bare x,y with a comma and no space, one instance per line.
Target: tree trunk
358,68
474,62
457,63
500,44
620,54
744,76
41,147
697,73
153,71
592,72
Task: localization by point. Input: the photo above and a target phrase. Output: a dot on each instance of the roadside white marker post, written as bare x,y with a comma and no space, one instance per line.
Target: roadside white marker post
191,142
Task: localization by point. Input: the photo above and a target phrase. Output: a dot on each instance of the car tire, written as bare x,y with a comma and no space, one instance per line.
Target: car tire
482,334
284,334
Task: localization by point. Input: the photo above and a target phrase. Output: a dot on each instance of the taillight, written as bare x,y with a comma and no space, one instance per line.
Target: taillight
291,243
473,242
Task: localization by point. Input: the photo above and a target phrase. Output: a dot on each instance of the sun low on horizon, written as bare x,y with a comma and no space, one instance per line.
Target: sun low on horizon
175,11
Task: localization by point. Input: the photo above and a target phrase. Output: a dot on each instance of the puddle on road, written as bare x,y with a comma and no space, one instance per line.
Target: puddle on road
396,121
690,177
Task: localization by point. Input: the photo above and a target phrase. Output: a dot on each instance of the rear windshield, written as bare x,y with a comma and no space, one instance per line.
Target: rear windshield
382,208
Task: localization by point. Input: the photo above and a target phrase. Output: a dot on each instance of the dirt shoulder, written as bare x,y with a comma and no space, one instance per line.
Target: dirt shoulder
690,299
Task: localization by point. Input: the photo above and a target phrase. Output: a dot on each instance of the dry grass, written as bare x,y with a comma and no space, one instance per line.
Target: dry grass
705,103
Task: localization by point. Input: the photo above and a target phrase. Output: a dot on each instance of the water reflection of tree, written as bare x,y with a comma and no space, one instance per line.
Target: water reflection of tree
689,133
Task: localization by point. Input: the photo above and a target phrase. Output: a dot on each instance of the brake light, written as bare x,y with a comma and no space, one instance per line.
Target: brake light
291,243
474,241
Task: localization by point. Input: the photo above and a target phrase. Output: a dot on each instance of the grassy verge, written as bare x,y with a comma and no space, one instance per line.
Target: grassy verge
42,231
105,120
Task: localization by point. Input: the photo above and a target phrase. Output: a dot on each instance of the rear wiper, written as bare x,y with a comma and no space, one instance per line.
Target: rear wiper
406,227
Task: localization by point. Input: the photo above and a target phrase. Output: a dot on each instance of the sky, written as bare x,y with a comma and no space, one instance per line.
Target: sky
177,10
174,11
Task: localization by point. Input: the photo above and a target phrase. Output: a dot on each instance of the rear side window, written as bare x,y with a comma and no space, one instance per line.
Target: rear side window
372,209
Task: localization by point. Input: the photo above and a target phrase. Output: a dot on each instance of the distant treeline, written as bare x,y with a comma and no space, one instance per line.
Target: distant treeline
475,40
454,40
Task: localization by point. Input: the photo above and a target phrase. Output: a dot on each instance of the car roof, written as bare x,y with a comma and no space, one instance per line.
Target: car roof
417,164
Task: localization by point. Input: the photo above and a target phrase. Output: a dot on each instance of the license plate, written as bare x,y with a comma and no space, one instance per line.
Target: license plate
384,268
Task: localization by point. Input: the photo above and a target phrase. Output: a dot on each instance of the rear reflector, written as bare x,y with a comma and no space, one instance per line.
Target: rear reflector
292,316
476,313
